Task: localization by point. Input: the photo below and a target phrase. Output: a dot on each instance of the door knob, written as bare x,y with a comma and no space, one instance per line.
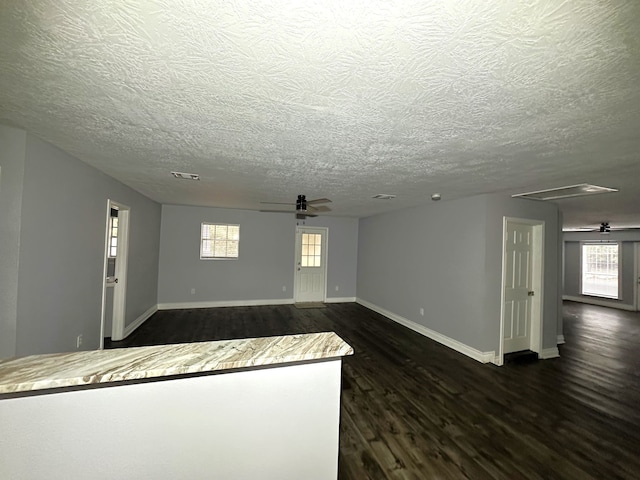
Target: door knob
530,294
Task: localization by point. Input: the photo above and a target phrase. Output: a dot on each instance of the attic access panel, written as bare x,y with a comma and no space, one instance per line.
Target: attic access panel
570,191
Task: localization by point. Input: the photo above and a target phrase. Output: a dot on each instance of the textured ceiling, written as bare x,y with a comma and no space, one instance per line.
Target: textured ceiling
340,99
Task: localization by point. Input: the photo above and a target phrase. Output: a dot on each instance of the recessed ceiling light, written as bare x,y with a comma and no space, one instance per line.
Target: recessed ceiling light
579,190
384,196
187,176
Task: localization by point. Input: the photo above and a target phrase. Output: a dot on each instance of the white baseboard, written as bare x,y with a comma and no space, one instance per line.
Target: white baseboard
560,340
128,330
224,303
547,353
600,302
340,300
483,357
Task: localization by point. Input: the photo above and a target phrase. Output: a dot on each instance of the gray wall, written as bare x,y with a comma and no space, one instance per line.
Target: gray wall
447,258
265,263
63,220
429,257
573,266
12,149
499,206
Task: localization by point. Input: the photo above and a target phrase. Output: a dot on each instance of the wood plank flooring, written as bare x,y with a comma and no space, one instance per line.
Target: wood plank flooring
414,409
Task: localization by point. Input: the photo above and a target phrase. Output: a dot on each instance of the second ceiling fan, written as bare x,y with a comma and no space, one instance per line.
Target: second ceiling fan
304,208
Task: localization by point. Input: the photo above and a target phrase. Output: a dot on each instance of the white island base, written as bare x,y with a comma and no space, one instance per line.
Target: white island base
278,422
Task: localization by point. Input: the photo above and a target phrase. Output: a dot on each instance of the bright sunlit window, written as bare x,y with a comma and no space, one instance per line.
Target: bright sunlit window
113,234
600,270
219,241
311,250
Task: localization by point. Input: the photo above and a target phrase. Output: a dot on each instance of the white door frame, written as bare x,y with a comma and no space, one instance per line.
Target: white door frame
122,260
636,274
325,257
537,282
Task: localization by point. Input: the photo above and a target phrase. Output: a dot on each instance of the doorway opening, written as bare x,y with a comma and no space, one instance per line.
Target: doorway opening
311,265
114,286
522,287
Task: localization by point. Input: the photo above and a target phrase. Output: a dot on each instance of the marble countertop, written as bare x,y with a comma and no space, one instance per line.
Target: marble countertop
39,372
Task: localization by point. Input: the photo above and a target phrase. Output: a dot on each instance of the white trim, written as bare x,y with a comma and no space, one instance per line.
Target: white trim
104,280
483,357
225,303
128,330
547,353
600,303
122,262
560,340
340,300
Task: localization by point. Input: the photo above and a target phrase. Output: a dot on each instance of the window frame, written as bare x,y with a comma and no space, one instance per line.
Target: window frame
582,272
202,224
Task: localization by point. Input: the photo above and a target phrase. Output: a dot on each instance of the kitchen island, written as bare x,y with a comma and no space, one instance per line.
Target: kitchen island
263,408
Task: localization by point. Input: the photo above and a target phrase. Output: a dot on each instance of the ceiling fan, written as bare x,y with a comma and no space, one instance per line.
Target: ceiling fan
304,208
605,228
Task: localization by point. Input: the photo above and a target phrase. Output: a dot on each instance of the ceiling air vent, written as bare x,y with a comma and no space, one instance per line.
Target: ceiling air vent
187,176
579,190
384,196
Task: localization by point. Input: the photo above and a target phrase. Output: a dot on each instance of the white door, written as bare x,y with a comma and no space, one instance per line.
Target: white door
311,264
518,291
115,273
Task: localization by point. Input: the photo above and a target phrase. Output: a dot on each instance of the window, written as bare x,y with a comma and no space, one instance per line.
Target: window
311,245
219,241
600,270
113,234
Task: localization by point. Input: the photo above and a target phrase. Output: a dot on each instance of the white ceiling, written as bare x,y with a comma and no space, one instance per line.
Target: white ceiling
336,98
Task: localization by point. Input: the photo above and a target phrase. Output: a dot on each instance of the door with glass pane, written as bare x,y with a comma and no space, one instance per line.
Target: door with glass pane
311,264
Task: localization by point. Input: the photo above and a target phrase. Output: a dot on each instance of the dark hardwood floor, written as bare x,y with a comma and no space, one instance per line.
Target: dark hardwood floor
414,409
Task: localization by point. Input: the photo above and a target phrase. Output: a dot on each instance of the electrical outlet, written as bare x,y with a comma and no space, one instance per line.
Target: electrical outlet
79,341
193,291
337,288
284,288
422,311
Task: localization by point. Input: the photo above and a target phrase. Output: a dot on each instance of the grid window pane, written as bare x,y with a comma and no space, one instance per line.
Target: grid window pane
113,236
219,241
600,270
311,250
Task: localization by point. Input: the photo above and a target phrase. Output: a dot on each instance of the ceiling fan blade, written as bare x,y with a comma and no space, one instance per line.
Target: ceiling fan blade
321,208
277,211
278,203
318,201
302,216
